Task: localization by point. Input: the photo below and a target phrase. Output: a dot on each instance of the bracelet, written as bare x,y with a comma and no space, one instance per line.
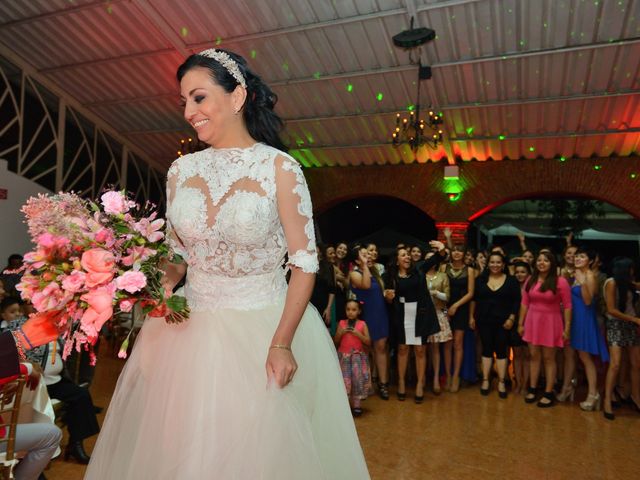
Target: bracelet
19,346
280,346
24,335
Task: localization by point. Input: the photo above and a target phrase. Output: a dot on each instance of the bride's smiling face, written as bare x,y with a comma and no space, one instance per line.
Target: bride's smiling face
208,108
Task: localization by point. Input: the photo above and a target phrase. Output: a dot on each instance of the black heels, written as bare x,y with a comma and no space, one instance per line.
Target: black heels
485,391
402,396
531,395
383,391
502,393
551,400
76,450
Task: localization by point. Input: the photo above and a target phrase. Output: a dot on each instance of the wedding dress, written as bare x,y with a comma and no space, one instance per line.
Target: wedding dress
192,401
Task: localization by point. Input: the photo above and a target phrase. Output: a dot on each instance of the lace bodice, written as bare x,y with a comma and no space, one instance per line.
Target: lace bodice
233,214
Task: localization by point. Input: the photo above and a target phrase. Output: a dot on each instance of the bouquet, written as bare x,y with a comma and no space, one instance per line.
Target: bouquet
94,260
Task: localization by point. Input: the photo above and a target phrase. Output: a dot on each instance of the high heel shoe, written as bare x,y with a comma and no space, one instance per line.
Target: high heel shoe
550,400
621,398
485,391
402,396
530,397
383,391
436,387
502,393
447,386
608,415
455,385
567,393
592,403
76,450
633,404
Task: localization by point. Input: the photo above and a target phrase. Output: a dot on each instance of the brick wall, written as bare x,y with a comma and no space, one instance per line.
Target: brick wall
486,184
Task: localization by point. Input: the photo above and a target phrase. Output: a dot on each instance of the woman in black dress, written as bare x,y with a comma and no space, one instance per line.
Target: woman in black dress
461,288
494,310
414,317
324,290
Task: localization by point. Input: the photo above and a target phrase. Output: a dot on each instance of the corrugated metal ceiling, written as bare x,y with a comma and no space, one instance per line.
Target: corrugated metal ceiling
514,78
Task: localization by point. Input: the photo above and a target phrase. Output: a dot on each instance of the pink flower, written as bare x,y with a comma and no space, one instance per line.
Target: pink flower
126,305
28,286
137,255
131,281
149,229
100,310
52,242
105,236
99,265
73,283
51,297
36,259
115,203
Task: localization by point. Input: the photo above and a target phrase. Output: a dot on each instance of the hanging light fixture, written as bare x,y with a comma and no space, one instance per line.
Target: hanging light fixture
414,130
189,145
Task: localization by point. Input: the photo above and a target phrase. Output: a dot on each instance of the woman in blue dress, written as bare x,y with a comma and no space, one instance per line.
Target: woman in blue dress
368,288
586,337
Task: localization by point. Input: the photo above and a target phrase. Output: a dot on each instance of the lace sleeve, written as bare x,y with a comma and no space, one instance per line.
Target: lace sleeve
172,237
295,211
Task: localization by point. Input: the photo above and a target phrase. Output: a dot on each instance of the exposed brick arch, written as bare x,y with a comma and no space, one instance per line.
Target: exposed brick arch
330,203
487,184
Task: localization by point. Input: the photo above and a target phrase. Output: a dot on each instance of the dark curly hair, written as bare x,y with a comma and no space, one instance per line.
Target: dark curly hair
263,124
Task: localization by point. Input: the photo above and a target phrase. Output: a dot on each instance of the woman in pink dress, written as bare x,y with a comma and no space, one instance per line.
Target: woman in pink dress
546,299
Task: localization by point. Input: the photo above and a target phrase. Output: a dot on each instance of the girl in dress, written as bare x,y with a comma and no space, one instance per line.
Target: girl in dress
352,338
494,309
372,248
585,333
414,316
368,287
438,286
521,356
342,279
545,323
416,254
480,262
461,284
250,385
622,330
324,288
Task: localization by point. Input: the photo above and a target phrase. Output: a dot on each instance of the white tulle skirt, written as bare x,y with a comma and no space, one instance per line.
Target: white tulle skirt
192,403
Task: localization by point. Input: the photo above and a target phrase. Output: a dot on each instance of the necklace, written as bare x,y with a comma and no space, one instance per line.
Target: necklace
456,272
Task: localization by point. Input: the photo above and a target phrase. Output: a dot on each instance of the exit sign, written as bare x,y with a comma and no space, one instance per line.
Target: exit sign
3,193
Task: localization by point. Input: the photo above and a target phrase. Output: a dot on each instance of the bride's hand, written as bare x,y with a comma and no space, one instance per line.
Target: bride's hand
281,367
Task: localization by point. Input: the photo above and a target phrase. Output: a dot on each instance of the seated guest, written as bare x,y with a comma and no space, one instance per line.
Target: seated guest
80,413
38,440
10,280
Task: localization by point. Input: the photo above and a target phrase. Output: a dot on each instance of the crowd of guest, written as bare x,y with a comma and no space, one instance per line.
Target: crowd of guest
542,323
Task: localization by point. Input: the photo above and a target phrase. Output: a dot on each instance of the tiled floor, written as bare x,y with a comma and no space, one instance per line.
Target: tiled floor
465,435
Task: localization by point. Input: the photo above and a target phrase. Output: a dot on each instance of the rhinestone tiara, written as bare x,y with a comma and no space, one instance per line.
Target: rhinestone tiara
227,62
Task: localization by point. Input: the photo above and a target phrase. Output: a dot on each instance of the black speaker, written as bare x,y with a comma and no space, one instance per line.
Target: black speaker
413,37
425,72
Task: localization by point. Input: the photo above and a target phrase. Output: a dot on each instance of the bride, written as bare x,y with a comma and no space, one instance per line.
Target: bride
249,387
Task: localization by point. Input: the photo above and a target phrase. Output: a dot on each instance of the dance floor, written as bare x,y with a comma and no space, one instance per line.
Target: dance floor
464,435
